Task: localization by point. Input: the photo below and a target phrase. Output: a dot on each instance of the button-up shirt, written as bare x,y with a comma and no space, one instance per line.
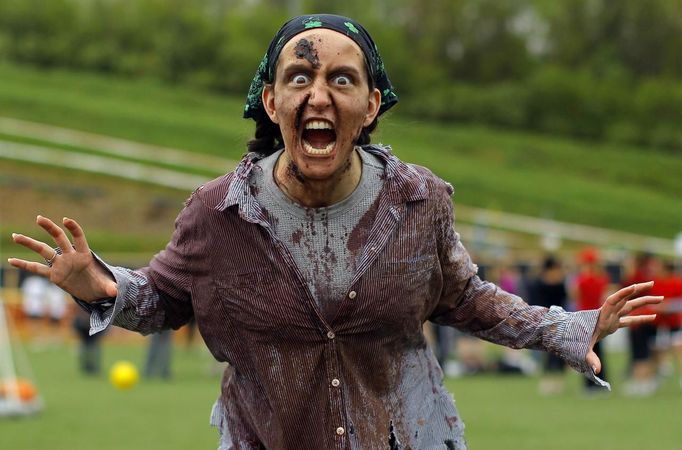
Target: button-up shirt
362,379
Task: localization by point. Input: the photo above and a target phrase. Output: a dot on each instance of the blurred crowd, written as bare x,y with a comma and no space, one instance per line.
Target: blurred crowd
580,281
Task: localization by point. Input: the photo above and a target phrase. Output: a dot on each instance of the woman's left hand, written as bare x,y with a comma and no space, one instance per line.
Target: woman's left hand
614,314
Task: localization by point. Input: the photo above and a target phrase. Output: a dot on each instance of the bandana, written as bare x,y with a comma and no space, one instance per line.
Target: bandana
348,27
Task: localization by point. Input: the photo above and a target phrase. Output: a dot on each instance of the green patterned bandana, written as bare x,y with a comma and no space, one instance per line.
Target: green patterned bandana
355,31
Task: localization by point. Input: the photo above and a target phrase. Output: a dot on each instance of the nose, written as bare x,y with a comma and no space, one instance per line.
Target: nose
320,97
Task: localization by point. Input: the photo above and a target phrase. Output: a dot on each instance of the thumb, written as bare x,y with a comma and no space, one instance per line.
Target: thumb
111,289
593,361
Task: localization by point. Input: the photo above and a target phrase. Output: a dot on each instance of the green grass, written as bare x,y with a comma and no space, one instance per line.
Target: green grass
499,411
618,187
88,413
507,412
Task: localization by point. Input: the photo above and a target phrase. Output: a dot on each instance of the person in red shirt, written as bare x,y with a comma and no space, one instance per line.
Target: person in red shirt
589,289
643,375
669,319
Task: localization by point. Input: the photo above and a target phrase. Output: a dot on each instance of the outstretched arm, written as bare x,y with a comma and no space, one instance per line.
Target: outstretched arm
70,266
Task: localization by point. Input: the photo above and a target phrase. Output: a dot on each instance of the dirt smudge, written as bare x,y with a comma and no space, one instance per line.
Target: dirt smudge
393,442
299,112
358,237
293,172
304,50
296,236
451,420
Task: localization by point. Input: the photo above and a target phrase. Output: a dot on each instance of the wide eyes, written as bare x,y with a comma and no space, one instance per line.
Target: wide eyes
301,79
342,80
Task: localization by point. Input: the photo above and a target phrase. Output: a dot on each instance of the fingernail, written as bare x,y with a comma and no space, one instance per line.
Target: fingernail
594,369
14,235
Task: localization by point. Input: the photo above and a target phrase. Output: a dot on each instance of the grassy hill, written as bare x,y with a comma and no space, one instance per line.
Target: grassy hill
617,187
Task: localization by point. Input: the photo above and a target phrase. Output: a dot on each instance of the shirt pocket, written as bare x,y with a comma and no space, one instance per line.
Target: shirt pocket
261,302
398,293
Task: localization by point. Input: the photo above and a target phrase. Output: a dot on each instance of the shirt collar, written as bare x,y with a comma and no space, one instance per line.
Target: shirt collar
403,182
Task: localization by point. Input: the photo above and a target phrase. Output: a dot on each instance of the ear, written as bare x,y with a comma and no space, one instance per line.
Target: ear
373,105
268,98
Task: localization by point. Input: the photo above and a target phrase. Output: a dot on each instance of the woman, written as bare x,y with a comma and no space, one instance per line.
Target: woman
312,267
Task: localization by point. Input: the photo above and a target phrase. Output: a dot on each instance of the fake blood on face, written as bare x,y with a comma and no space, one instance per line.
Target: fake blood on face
305,50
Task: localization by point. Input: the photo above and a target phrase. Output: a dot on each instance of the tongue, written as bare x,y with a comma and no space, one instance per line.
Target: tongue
319,138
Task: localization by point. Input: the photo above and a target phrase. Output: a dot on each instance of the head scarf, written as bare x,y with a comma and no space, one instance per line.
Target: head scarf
348,27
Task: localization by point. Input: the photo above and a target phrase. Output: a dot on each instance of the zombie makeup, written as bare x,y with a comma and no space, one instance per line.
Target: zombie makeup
344,25
305,50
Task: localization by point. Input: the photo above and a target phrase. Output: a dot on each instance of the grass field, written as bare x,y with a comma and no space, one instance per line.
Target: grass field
499,411
618,187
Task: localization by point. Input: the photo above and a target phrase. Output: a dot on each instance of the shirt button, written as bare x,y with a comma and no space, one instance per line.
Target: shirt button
336,382
340,431
352,295
331,335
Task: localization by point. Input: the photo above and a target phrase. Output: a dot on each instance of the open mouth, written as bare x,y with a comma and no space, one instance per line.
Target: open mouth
319,137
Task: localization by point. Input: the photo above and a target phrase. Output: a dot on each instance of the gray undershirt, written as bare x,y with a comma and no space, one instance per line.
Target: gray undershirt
318,238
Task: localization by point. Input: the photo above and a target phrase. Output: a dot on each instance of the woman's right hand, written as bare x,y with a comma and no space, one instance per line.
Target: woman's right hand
73,269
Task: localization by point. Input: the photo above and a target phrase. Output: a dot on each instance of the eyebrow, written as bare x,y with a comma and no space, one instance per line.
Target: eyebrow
347,69
297,67
306,68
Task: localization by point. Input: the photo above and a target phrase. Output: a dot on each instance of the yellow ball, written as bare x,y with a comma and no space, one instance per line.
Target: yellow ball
123,375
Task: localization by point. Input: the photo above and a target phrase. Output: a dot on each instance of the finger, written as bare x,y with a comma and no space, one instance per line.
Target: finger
30,266
79,241
39,247
56,232
631,305
628,292
593,361
635,320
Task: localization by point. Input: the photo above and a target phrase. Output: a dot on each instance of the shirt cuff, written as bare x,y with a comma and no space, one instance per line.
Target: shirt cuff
572,337
102,312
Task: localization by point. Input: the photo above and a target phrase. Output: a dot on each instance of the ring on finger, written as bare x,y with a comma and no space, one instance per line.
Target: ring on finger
57,252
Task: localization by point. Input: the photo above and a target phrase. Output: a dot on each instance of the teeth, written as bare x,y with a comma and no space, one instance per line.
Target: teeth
318,125
318,151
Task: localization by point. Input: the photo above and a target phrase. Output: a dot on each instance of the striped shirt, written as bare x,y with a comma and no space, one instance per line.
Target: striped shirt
362,379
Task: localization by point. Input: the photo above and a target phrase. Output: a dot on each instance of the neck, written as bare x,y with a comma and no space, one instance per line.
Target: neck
313,193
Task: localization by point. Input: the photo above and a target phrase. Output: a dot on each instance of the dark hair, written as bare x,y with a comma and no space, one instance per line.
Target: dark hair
550,262
268,137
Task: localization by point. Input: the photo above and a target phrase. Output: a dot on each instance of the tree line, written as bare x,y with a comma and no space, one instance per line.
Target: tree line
596,69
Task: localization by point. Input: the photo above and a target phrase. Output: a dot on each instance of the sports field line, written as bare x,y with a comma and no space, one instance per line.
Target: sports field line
566,231
115,146
100,164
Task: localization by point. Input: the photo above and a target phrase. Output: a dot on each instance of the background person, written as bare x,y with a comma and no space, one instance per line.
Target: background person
549,289
89,348
642,336
668,322
589,290
159,355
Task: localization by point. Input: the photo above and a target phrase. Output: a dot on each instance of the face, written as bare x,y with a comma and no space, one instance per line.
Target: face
321,101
